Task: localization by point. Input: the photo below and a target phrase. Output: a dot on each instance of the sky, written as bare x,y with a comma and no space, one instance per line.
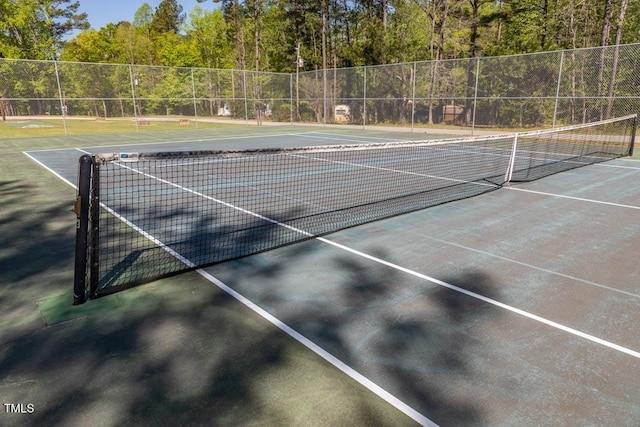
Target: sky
103,12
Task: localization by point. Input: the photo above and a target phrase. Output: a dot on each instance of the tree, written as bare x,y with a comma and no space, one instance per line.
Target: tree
177,51
135,45
437,12
616,57
235,12
406,38
35,29
143,18
167,18
208,32
265,34
121,43
91,46
63,17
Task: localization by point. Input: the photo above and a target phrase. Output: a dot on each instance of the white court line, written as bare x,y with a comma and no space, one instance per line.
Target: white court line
487,300
491,301
343,367
352,373
346,138
49,169
133,143
330,136
562,196
517,154
337,363
322,353
534,267
403,172
408,271
619,166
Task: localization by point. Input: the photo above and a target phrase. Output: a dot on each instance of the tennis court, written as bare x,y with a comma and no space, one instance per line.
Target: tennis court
518,306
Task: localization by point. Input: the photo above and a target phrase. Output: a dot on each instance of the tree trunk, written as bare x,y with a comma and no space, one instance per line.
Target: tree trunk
438,25
604,41
325,12
614,64
256,41
471,78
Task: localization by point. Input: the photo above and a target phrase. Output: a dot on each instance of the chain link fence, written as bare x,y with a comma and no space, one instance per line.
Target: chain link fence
520,91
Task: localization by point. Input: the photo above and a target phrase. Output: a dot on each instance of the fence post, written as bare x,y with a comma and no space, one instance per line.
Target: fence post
195,103
475,97
555,107
413,94
133,97
364,109
244,91
291,99
324,90
63,107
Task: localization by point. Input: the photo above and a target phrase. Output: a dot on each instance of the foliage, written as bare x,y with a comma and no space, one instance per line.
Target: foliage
265,35
35,29
167,18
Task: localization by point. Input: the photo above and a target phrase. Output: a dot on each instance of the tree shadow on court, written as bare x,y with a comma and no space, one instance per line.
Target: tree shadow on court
201,237
195,359
439,337
183,353
36,241
414,338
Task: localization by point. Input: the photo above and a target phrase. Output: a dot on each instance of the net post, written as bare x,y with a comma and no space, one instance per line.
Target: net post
509,174
81,209
94,217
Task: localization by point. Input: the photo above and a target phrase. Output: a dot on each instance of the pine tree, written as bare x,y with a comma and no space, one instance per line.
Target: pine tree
167,18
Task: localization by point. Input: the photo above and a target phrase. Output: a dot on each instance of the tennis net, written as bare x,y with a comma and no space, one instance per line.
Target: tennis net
143,216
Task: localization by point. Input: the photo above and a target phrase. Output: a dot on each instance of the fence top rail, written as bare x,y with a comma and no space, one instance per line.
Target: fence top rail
410,63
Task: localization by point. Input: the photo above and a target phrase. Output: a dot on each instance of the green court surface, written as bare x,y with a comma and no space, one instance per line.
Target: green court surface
178,351
517,307
28,124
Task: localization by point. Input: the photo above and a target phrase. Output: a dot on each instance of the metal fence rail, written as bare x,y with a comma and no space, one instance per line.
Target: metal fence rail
519,91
